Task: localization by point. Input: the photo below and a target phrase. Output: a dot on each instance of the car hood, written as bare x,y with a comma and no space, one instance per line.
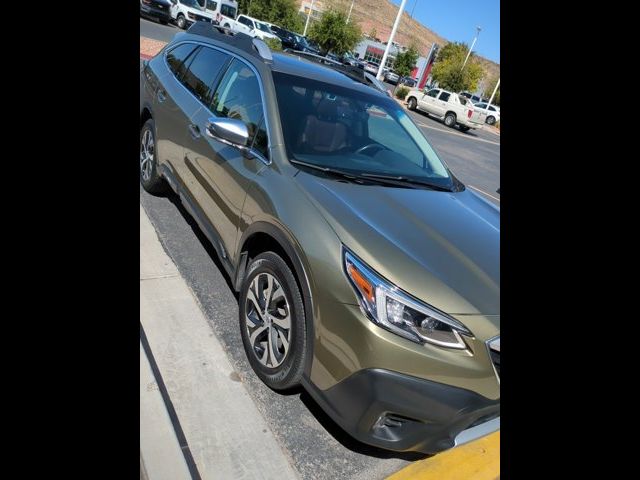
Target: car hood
441,247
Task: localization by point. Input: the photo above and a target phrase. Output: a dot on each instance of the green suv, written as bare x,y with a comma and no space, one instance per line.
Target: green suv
366,271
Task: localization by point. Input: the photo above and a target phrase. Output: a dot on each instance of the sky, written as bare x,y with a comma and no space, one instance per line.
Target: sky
456,20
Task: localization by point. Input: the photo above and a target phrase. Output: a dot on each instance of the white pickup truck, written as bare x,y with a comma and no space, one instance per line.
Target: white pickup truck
251,26
453,108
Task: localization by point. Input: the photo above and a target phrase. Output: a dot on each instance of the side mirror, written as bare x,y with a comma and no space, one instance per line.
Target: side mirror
231,131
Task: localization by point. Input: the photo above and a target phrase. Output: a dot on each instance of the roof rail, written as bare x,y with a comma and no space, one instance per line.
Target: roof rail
242,41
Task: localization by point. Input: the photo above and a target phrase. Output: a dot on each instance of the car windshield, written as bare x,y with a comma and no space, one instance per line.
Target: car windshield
191,3
344,129
263,27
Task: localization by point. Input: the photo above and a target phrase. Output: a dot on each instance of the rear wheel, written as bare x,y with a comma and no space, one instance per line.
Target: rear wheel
491,120
450,119
412,103
272,322
182,22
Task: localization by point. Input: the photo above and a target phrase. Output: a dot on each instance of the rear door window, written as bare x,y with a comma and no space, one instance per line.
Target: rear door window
433,93
444,96
177,58
203,71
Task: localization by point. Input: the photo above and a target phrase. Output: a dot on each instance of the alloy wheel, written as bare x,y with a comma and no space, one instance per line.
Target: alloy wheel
147,150
268,320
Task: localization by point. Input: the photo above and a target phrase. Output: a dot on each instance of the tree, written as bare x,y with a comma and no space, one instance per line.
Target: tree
243,6
333,34
489,90
406,61
283,13
373,33
448,71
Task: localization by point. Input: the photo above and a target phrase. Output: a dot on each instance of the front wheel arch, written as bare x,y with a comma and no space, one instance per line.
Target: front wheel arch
261,237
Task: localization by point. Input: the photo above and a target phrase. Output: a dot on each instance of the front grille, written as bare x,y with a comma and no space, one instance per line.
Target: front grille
200,18
495,358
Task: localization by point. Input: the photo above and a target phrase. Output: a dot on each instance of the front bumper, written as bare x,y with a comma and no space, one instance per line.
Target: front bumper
404,413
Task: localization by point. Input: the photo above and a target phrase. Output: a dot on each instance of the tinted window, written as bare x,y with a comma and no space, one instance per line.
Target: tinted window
246,21
481,105
212,5
177,56
228,11
202,72
444,96
492,109
462,100
433,93
238,96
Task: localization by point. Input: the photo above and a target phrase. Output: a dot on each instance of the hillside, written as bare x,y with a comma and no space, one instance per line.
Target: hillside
380,15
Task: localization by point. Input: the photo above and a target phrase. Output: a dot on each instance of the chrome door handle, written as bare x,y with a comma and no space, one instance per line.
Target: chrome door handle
194,131
161,96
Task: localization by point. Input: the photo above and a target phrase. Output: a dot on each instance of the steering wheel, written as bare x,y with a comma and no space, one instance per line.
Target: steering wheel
370,145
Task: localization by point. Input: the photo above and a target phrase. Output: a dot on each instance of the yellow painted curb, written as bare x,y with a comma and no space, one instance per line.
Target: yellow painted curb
478,460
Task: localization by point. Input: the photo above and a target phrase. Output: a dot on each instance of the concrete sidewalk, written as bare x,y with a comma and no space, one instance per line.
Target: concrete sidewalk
225,434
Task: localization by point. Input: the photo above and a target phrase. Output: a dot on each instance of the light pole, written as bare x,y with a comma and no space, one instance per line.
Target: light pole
351,8
390,41
494,92
471,48
306,25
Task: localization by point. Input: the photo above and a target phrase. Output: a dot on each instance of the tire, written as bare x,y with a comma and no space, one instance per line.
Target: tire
182,22
464,128
491,120
412,103
280,368
150,177
450,120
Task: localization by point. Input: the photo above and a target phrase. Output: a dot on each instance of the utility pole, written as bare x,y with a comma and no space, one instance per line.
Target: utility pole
494,92
349,16
390,42
471,48
306,25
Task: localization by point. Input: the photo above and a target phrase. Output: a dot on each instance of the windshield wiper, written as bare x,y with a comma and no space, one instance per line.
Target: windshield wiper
332,171
403,181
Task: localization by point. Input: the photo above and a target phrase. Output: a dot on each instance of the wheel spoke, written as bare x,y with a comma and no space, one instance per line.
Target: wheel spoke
271,341
251,296
267,292
256,333
284,322
285,342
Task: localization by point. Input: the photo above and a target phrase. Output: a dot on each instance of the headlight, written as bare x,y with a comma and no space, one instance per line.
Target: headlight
391,308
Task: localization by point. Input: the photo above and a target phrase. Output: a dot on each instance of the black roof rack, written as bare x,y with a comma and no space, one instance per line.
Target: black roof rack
242,41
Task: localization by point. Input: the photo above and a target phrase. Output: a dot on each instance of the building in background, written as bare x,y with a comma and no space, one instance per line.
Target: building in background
316,12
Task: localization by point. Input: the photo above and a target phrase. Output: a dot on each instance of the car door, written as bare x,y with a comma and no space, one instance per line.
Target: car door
173,106
427,100
441,103
221,171
246,25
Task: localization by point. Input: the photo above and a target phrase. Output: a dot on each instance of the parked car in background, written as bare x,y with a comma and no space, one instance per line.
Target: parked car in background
452,108
474,98
391,77
491,112
158,9
251,26
365,271
221,9
408,81
185,12
371,68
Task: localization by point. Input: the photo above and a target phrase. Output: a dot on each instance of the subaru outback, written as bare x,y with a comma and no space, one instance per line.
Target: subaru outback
365,270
